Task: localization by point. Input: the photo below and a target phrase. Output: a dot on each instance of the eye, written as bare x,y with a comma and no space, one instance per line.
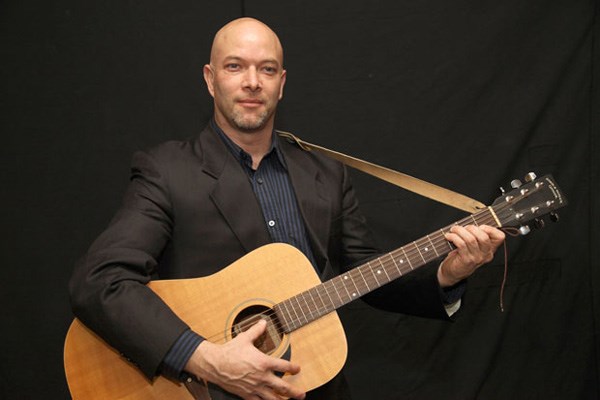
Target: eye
232,67
270,70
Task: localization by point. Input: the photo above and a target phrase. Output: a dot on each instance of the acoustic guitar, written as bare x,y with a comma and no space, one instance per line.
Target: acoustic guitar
277,283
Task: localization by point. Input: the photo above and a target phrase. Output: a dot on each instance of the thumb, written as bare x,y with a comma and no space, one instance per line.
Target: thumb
256,330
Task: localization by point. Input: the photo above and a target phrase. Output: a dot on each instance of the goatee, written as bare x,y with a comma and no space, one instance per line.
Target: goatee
249,124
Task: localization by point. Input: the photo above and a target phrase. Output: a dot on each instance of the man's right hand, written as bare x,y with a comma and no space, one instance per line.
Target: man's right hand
240,368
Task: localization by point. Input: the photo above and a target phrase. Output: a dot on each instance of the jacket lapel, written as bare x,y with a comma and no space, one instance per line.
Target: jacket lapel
311,194
232,193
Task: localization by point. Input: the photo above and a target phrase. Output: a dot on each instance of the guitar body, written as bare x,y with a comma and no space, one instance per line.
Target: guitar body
212,306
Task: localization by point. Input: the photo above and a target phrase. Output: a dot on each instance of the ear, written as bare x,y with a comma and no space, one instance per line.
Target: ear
209,78
282,84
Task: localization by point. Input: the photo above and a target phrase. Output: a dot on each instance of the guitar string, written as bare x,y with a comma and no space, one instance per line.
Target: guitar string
485,217
371,279
482,220
269,313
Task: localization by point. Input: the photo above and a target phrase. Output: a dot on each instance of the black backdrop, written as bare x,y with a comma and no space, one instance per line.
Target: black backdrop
467,94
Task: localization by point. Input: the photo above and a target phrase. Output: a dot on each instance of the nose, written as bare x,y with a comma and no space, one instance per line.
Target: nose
251,79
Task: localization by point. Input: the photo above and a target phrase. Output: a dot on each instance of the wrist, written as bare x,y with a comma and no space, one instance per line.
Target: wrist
178,356
199,364
444,279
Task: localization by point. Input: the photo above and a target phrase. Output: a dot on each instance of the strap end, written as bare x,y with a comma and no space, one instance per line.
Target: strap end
293,139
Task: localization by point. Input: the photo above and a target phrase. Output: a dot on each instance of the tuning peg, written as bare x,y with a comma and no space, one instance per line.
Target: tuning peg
502,190
515,183
539,223
530,177
524,230
554,217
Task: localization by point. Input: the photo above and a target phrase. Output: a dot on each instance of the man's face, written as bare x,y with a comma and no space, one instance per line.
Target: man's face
245,77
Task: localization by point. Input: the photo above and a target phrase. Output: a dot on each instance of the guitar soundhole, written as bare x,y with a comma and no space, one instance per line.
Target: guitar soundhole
268,341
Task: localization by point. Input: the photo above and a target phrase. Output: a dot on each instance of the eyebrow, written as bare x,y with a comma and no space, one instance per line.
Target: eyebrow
268,60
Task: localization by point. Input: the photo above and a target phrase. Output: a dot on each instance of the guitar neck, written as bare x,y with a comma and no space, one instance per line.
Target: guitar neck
320,300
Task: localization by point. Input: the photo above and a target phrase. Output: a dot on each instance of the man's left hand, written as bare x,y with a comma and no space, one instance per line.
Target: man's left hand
475,246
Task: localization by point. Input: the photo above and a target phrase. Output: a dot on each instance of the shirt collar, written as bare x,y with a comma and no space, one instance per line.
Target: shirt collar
240,154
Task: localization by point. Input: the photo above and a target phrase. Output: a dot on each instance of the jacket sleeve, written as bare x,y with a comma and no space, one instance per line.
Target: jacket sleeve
108,286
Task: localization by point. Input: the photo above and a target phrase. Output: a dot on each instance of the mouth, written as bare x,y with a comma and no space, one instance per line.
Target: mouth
250,103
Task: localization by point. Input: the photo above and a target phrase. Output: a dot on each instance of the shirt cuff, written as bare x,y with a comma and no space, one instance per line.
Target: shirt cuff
451,297
451,309
179,354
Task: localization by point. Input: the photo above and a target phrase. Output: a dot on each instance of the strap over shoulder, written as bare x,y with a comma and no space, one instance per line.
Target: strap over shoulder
400,179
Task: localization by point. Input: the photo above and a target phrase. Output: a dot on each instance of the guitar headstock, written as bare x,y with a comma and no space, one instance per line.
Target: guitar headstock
529,201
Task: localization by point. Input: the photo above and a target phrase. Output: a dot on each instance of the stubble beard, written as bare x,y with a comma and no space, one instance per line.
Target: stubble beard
251,123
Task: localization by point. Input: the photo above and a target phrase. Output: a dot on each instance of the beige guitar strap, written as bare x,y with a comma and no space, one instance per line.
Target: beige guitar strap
408,182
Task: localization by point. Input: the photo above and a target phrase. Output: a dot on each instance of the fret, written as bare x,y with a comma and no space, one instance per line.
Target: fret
285,320
405,258
375,273
481,217
474,220
347,277
332,293
308,307
359,282
343,284
447,242
299,307
305,311
396,265
385,269
327,293
425,250
433,246
421,254
294,321
363,277
323,305
319,307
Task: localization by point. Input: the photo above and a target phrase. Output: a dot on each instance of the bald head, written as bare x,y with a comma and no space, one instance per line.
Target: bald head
244,31
245,77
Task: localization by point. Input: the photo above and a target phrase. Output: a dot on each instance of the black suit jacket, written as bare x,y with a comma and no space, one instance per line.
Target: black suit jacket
189,211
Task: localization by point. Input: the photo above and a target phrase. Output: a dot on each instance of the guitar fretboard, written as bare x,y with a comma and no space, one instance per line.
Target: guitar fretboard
320,300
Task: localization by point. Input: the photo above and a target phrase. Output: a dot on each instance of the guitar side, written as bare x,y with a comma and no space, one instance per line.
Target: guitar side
209,305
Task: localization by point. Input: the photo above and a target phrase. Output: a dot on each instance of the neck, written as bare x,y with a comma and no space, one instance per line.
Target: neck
256,143
320,300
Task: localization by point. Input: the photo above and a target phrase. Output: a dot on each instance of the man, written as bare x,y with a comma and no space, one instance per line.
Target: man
195,206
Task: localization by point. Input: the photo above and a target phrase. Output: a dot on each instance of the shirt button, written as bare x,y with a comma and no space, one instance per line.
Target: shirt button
271,223
260,181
